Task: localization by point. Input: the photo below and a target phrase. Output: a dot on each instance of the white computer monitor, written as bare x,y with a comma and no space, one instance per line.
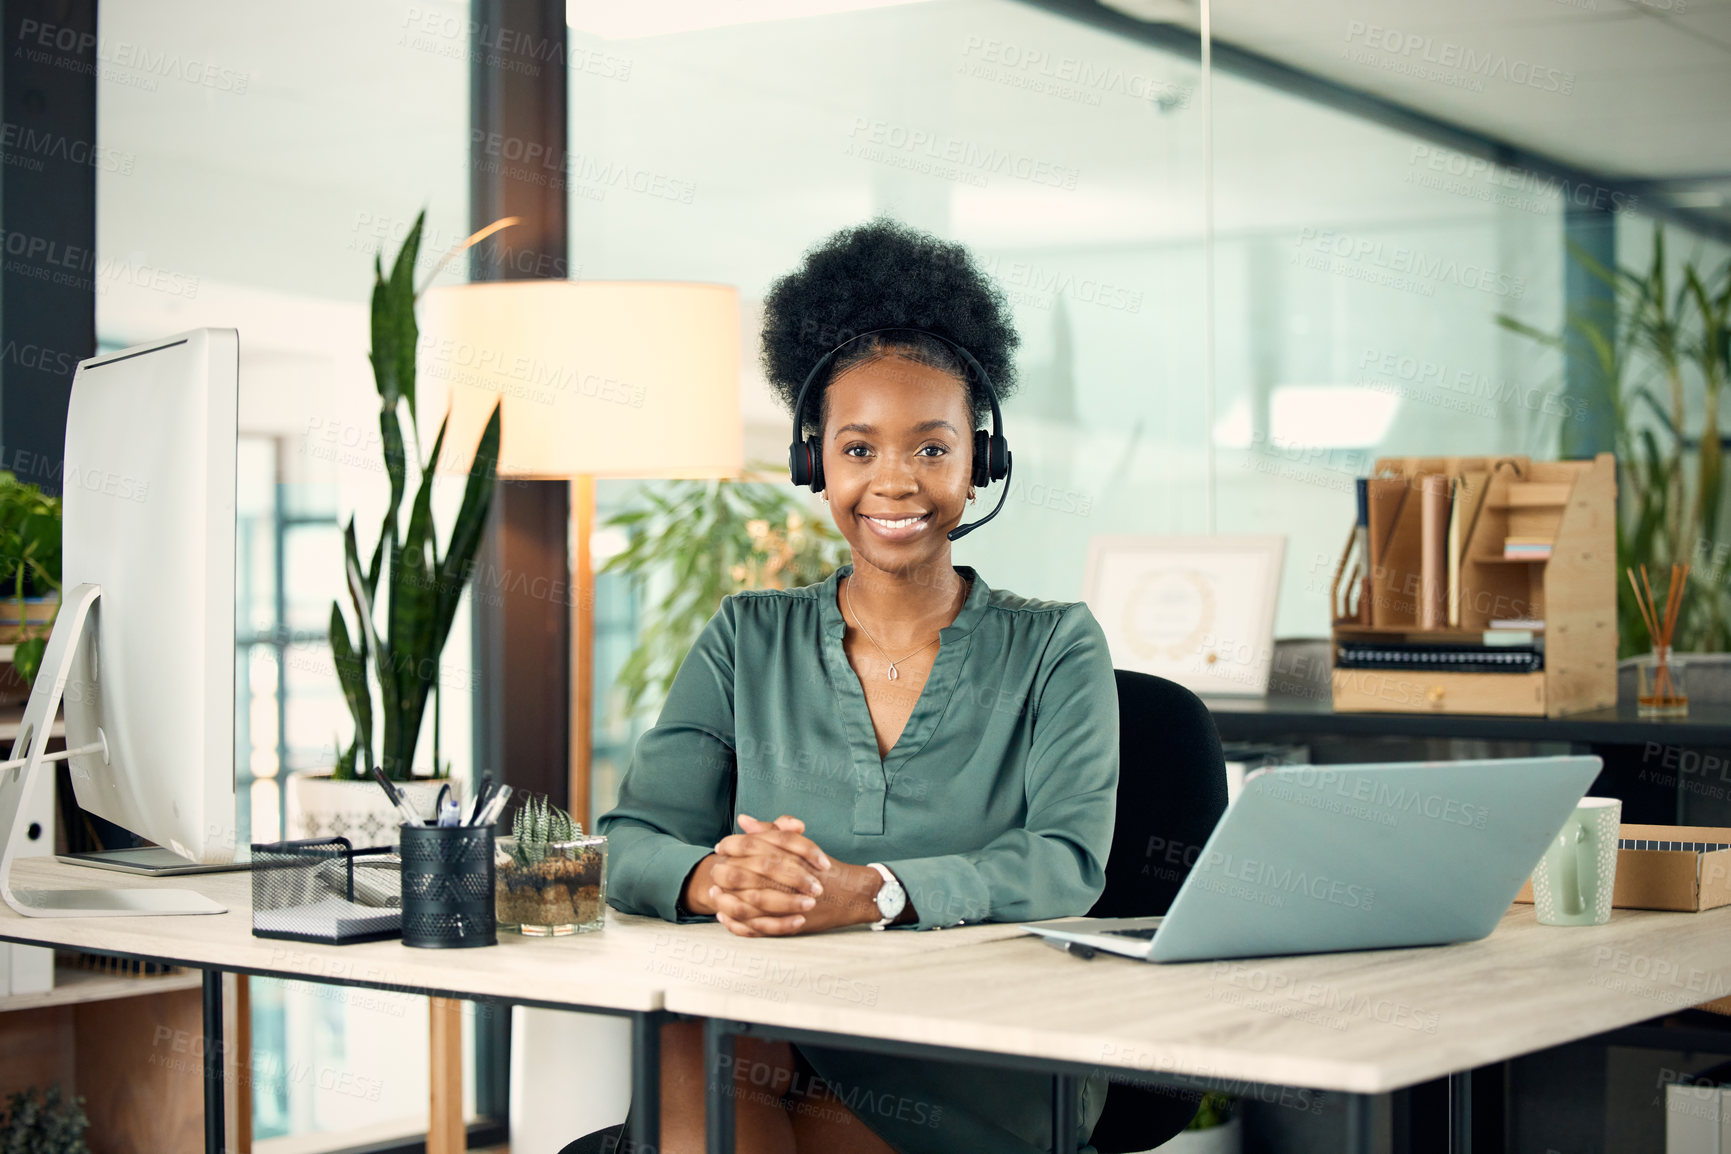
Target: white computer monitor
142,654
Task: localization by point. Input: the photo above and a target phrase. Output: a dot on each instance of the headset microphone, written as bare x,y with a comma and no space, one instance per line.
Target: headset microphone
991,452
961,531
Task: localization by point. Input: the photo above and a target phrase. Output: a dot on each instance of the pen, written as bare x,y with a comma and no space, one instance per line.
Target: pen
484,799
479,801
1077,948
496,804
404,810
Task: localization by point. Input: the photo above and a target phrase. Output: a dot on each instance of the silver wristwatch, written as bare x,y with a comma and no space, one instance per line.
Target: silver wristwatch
892,899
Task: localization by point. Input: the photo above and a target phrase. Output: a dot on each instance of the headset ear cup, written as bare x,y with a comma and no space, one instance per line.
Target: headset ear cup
982,473
999,458
798,472
814,453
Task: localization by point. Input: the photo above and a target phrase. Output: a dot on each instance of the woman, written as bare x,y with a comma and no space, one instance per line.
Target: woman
915,730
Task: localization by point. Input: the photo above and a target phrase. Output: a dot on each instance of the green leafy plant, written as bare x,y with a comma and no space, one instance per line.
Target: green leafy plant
29,563
37,1122
1215,1109
422,586
538,824
712,538
1664,347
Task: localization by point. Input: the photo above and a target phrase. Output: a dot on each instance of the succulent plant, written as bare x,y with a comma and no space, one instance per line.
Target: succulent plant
538,824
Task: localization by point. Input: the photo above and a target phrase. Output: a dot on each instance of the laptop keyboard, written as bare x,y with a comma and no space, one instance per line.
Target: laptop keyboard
1146,933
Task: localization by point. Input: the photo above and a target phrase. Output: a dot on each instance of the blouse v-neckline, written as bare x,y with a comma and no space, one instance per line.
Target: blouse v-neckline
875,773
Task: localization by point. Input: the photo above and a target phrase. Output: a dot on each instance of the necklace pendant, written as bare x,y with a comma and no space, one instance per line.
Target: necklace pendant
892,672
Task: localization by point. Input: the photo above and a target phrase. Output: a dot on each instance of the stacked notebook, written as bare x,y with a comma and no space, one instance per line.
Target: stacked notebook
1448,658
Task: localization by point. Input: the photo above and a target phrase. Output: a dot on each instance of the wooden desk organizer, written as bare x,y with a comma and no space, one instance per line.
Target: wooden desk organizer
1574,591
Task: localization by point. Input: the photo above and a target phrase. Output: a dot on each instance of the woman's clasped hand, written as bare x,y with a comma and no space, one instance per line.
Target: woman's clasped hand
771,880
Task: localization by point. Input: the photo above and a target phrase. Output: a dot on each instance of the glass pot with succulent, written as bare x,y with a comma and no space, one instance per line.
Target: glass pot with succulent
550,878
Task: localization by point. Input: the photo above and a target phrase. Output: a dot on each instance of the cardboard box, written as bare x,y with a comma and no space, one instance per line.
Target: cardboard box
1668,879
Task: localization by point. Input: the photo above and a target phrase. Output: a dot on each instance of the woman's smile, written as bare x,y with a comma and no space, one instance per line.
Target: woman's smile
898,528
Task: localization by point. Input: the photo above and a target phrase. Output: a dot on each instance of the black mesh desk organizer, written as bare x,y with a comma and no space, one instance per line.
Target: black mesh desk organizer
324,890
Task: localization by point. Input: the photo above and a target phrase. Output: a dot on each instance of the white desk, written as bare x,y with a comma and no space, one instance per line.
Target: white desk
1361,1024
622,970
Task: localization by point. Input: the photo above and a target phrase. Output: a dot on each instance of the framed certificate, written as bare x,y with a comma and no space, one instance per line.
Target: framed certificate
1195,610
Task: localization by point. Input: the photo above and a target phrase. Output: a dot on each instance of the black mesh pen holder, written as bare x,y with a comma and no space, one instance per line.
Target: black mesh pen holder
448,886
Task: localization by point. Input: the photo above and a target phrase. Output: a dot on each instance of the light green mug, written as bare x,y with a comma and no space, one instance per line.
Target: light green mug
1573,882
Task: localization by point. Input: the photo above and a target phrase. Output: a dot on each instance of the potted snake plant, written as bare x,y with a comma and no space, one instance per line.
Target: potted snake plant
403,596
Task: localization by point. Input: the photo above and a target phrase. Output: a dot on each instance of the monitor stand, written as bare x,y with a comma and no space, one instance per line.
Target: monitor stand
152,861
30,759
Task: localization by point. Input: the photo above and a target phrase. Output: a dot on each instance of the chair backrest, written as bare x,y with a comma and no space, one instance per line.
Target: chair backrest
1171,794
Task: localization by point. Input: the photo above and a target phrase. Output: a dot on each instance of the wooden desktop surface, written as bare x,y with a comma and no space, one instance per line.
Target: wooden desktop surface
624,967
1365,1022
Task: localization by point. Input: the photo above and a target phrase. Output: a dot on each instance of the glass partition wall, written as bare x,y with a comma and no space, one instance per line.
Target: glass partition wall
1395,183
1068,159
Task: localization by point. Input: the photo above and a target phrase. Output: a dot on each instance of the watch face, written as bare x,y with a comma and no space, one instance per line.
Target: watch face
891,899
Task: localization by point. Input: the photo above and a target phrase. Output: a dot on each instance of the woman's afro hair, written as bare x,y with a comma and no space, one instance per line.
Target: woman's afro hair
884,274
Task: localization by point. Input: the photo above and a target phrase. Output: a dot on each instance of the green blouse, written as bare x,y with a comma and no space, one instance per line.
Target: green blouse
996,803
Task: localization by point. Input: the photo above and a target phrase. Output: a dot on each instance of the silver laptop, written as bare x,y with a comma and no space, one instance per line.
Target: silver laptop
1318,858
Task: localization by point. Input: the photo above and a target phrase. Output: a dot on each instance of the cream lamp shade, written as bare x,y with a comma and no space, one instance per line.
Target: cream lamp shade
603,378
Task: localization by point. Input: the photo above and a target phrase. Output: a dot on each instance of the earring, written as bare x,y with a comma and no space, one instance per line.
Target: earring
825,497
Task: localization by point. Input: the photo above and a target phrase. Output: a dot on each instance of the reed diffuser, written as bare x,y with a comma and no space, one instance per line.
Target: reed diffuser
1659,691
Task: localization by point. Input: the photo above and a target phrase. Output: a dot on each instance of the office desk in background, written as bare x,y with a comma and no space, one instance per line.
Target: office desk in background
1667,771
1360,1024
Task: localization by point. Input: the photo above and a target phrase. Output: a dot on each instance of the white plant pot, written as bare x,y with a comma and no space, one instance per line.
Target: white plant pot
1227,1139
357,810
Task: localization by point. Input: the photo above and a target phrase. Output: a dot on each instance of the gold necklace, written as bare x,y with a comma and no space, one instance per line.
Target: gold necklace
847,592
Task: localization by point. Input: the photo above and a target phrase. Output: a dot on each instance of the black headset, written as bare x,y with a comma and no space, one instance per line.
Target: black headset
991,451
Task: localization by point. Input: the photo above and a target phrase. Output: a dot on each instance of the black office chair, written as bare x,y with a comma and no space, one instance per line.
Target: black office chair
606,1141
1171,794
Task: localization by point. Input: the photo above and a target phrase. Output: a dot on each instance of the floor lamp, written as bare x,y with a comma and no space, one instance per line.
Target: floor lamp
598,379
